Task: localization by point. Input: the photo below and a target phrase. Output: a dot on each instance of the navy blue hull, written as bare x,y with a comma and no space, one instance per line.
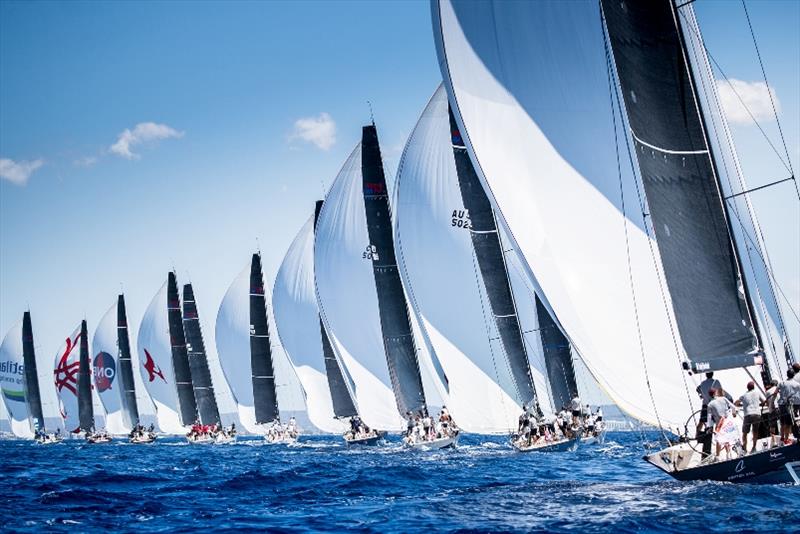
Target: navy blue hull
766,467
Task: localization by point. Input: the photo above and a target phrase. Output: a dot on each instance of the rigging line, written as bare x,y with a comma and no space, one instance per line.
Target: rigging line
788,166
611,93
769,91
740,193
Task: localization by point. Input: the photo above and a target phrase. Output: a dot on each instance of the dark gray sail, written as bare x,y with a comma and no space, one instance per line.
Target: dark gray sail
187,406
681,184
265,397
198,361
492,264
343,405
398,340
32,395
85,406
130,409
557,358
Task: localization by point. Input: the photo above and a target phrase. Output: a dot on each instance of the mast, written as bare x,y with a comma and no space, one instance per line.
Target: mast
681,184
187,405
32,394
85,406
398,340
343,405
198,361
130,408
491,261
265,396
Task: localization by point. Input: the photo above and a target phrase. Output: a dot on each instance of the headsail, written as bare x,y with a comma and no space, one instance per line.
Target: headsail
155,356
432,229
180,355
198,362
347,299
66,370
297,319
683,193
12,382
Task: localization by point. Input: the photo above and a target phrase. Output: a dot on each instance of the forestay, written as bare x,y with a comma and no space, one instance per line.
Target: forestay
155,355
347,297
297,318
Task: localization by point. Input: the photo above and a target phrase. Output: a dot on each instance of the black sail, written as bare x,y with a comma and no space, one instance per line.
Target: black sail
492,264
32,395
187,406
130,409
343,405
85,406
264,393
198,361
557,358
398,340
680,183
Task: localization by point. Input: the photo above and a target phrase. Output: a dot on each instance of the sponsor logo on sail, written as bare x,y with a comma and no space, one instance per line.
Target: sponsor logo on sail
105,370
66,374
152,369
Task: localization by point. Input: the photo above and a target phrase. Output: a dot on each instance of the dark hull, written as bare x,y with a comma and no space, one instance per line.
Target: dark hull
366,442
768,467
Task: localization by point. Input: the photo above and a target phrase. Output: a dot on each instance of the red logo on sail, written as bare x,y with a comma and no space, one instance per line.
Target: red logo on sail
67,373
152,369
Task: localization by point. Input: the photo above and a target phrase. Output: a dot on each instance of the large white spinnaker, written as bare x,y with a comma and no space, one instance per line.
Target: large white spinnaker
12,382
105,371
155,358
534,105
347,296
294,303
436,259
67,362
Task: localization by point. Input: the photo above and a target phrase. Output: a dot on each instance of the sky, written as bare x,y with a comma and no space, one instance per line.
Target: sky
138,137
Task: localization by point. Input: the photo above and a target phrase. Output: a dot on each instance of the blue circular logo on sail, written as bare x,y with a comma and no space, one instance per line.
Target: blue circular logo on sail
105,369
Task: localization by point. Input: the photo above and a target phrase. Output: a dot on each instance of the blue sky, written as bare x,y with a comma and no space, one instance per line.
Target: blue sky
220,159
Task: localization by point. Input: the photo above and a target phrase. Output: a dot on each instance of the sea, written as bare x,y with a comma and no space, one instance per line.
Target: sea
319,484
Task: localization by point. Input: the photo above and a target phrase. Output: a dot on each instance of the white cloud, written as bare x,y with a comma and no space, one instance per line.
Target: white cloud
144,132
86,161
320,130
18,172
753,95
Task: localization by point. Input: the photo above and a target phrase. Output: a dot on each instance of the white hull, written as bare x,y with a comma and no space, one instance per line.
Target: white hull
200,439
280,441
144,439
222,440
440,443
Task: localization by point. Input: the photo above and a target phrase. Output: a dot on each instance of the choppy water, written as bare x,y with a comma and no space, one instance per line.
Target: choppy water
322,485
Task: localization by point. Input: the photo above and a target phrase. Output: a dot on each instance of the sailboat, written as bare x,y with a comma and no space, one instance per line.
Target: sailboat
297,320
248,357
113,370
604,157
371,334
20,383
165,362
452,257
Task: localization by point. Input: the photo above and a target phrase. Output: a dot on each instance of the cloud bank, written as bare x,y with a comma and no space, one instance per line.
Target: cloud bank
737,96
320,130
142,133
18,172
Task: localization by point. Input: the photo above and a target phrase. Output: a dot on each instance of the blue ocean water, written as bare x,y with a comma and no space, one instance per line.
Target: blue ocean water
321,485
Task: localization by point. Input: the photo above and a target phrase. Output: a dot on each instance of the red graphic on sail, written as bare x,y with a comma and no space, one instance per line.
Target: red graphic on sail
152,368
66,374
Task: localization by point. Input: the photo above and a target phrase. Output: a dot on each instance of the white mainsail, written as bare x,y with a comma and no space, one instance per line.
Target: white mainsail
534,107
347,296
436,259
67,361
12,382
105,371
155,357
294,303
